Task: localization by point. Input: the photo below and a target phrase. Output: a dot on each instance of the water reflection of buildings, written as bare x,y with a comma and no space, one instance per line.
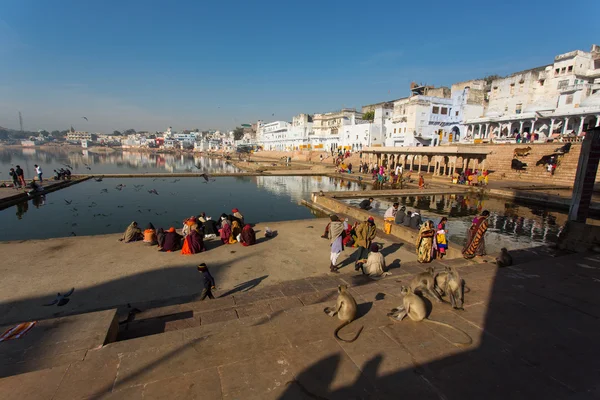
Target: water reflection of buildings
299,187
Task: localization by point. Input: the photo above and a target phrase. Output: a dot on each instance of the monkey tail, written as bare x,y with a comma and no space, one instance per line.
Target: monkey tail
465,287
335,333
469,340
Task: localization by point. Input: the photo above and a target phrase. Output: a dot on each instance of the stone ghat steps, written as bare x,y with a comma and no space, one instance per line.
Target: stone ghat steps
279,339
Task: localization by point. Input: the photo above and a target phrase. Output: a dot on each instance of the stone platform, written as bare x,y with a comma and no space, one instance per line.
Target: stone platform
533,327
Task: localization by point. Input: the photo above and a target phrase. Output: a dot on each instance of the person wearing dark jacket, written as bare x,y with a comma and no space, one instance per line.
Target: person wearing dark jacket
211,229
407,219
15,178
400,216
172,241
208,282
21,176
415,220
366,204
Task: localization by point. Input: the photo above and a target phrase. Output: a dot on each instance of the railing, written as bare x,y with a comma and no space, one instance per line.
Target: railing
572,88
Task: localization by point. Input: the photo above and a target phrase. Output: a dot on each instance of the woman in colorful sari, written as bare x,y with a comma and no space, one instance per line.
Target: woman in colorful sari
225,230
475,245
193,242
425,242
236,230
248,236
150,235
441,238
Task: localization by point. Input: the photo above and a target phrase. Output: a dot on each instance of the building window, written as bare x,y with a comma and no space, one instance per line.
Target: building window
556,71
436,110
506,109
570,69
542,82
456,114
562,70
394,130
512,88
563,84
518,108
569,99
444,111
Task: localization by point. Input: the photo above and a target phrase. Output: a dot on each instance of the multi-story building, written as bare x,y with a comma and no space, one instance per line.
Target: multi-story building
562,98
274,135
328,126
78,136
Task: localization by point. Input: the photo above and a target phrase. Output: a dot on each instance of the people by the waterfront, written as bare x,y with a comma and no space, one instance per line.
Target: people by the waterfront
172,241
15,178
366,204
374,266
441,238
389,218
236,230
211,230
407,219
202,217
187,225
400,216
193,243
225,231
475,244
237,214
415,220
208,282
424,243
365,233
150,234
160,238
336,235
38,172
20,175
248,236
35,188
133,233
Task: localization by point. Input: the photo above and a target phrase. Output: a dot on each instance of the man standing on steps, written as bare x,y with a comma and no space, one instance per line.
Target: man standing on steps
365,233
21,175
38,172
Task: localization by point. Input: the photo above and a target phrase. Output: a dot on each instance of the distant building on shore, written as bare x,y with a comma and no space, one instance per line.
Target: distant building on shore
78,136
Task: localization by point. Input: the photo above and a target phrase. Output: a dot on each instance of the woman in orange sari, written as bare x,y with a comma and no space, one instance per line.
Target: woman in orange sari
475,245
193,242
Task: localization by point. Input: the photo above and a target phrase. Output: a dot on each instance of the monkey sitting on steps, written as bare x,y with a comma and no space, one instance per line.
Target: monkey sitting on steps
504,259
345,309
414,306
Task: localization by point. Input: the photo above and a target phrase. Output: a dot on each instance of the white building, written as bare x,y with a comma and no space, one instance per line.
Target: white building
558,99
327,128
78,136
274,135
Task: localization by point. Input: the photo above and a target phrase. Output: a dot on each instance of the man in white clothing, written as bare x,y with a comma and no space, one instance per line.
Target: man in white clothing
38,171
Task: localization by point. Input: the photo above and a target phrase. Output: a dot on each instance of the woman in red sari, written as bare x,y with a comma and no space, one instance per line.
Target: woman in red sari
248,236
193,242
475,245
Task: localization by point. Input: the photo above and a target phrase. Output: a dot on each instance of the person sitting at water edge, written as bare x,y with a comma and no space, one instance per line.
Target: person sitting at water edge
160,238
248,237
172,241
187,225
400,216
150,235
366,204
415,220
236,230
389,217
225,230
202,217
238,215
210,228
132,233
193,242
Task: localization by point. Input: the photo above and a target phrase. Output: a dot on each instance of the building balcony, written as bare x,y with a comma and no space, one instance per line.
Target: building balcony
572,88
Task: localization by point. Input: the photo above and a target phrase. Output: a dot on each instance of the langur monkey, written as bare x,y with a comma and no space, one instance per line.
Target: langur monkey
345,309
504,259
414,306
425,283
450,283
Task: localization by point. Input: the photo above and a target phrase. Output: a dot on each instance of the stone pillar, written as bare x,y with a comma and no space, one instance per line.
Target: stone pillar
581,125
412,159
428,164
532,126
509,129
585,178
564,130
465,163
551,127
486,133
521,127
479,131
598,120
420,162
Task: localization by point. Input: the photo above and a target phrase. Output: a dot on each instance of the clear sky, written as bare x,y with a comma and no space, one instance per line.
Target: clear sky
150,64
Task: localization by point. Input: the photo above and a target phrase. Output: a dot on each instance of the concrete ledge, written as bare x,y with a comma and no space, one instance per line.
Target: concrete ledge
17,198
401,232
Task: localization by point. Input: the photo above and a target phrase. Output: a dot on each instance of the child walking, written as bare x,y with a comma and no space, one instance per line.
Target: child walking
208,282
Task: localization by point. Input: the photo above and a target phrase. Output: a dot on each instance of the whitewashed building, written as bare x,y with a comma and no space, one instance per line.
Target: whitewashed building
552,101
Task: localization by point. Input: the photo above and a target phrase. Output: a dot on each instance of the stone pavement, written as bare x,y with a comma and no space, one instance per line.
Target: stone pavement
534,328
107,273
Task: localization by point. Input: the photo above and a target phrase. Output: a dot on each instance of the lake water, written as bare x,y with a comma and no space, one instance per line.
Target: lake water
513,226
101,208
116,162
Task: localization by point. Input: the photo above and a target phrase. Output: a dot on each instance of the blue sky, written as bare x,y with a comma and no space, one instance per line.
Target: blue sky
196,64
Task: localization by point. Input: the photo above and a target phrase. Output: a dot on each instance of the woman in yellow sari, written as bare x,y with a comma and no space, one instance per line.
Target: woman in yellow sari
425,242
236,229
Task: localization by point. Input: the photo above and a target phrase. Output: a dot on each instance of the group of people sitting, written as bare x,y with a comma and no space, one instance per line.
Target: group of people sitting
194,231
472,178
62,174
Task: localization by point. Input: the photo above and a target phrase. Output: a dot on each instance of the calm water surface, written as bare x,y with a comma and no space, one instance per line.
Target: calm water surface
512,225
116,162
101,208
